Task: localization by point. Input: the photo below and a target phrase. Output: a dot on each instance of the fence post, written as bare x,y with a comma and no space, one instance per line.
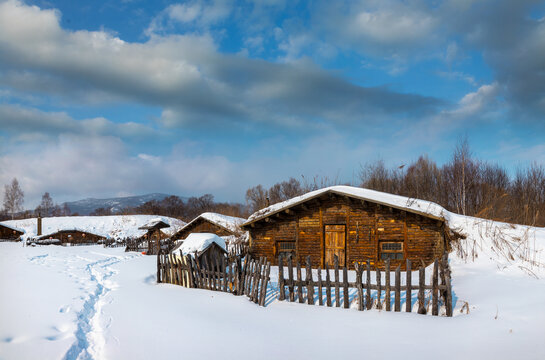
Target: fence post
408,292
398,289
448,300
337,285
434,291
387,288
290,278
379,287
320,295
282,293
299,283
310,284
327,285
346,295
368,293
421,284
158,268
224,274
358,286
264,283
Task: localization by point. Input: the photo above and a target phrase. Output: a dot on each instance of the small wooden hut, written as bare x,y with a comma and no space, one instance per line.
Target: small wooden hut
71,236
10,233
214,223
154,235
204,247
354,224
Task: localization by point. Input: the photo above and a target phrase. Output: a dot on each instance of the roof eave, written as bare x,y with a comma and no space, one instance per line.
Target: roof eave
249,223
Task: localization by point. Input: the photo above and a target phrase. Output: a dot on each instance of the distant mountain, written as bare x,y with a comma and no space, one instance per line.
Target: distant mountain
87,206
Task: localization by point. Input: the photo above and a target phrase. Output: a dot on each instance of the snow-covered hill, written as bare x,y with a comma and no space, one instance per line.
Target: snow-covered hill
112,227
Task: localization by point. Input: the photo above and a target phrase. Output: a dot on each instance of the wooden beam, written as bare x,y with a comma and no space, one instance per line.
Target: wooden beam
304,207
288,211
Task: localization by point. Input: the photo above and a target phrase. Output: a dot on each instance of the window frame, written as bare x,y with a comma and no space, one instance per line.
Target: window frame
392,254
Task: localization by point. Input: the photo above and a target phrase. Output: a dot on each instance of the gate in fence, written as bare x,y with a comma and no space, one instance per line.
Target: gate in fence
439,287
219,273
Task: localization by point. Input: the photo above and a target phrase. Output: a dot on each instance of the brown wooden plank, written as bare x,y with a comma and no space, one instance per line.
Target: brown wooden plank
397,306
408,294
290,279
265,284
320,292
337,284
310,284
368,284
346,295
359,272
435,291
282,290
224,274
379,287
159,268
299,284
421,283
327,286
448,300
387,285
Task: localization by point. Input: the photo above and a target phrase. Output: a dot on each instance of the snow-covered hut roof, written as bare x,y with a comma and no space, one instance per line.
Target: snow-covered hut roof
12,228
421,207
229,223
113,226
199,242
156,223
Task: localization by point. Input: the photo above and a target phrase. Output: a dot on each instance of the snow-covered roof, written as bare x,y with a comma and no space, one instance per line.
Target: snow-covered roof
229,223
421,207
12,227
199,242
113,226
156,223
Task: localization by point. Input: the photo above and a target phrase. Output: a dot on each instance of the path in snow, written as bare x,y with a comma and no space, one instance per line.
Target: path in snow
93,277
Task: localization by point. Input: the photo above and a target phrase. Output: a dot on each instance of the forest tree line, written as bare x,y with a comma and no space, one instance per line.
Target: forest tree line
465,185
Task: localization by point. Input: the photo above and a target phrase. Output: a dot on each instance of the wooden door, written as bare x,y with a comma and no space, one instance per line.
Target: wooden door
335,244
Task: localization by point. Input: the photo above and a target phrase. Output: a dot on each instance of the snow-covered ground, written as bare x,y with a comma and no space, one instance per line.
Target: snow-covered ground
90,302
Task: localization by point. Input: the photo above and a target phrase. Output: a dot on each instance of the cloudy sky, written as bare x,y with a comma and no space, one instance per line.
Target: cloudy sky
114,98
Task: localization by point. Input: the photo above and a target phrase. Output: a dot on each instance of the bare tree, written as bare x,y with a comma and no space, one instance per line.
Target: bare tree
46,206
256,198
13,198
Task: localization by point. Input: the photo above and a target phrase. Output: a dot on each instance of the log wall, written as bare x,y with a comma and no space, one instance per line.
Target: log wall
9,234
367,225
75,237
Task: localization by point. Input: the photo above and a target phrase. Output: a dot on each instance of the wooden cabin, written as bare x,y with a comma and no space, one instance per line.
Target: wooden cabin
73,237
219,224
353,223
9,233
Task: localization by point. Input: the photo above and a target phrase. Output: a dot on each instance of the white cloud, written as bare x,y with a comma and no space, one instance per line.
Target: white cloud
30,122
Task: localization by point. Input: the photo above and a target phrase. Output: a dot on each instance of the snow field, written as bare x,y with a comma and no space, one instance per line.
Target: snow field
90,302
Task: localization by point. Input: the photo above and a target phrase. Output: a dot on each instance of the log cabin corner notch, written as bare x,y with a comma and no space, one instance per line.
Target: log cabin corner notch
353,223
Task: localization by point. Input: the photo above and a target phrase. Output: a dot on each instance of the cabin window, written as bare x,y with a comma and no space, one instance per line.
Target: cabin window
391,250
286,247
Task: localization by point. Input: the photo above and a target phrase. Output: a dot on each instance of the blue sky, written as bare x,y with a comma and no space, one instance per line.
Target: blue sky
102,99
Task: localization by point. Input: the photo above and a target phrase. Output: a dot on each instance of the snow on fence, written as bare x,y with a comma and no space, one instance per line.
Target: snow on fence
440,271
228,274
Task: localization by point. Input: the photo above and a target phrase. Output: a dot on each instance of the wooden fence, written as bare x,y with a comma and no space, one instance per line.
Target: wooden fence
228,274
440,287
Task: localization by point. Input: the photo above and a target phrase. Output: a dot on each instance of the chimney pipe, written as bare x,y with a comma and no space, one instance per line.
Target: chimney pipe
39,232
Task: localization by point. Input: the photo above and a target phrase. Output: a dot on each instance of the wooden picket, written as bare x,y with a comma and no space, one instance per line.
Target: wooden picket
364,299
233,275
